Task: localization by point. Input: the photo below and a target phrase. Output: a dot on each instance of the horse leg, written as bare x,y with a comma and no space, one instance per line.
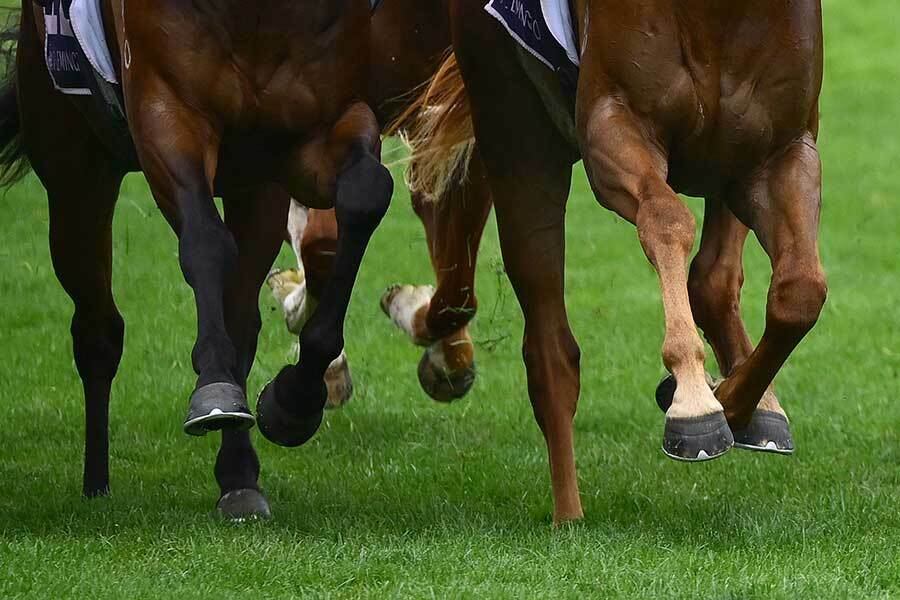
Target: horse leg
530,186
81,249
178,149
628,175
784,214
255,218
438,319
714,283
82,189
313,236
290,407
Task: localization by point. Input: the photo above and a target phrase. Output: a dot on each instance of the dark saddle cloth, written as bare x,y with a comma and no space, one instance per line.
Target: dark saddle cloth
527,23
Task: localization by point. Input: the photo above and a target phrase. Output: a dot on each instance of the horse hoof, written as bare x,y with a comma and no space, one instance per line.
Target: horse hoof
767,431
339,383
665,392
280,426
244,505
697,439
443,385
218,406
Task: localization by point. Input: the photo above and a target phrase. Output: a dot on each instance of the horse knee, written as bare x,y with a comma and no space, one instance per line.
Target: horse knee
796,299
664,224
206,248
363,195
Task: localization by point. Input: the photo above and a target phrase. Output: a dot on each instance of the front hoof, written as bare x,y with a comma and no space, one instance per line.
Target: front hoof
697,439
767,431
443,385
218,406
338,383
244,505
282,427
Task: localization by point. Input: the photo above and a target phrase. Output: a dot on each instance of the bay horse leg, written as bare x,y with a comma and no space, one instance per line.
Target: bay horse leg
178,149
317,250
628,175
715,282
255,218
439,318
81,249
784,214
82,189
290,407
312,234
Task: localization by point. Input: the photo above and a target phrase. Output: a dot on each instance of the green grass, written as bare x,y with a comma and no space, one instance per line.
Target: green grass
399,496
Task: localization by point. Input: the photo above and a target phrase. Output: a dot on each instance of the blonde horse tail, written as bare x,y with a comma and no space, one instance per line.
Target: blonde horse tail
437,129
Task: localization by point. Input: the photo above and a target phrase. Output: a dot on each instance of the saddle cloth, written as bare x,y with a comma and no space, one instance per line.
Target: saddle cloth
73,27
543,28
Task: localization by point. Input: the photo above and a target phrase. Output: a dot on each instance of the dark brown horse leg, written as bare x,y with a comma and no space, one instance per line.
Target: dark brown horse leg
178,149
313,236
628,175
256,219
317,250
290,407
439,318
714,283
82,189
787,227
81,248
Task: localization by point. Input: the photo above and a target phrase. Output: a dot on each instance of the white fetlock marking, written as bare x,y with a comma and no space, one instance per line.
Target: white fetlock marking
298,218
693,398
298,307
406,301
702,455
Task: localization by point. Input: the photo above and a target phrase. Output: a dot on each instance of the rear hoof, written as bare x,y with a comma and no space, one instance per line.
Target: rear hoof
767,431
244,505
697,439
665,392
339,383
218,406
282,427
443,385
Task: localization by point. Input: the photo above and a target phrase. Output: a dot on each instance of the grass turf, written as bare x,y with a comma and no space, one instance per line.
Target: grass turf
400,496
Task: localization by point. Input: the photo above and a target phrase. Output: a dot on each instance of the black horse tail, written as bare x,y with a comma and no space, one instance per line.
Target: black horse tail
13,160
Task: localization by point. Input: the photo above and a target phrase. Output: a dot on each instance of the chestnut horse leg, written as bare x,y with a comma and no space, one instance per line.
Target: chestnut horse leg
290,407
786,224
628,175
255,218
714,283
529,165
439,318
82,188
178,148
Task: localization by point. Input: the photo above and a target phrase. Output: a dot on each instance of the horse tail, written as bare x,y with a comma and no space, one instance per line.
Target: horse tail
437,129
13,160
